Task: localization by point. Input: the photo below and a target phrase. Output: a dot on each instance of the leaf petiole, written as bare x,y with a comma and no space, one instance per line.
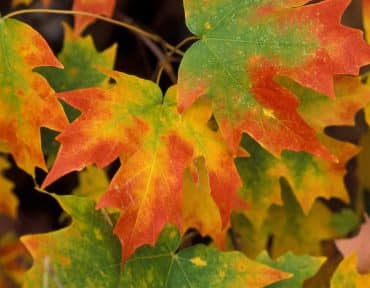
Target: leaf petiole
128,26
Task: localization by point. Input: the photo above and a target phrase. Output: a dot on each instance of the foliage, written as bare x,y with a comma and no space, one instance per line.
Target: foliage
237,153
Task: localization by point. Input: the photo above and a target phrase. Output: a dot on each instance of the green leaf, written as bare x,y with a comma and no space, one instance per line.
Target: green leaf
80,58
245,45
86,254
197,266
302,267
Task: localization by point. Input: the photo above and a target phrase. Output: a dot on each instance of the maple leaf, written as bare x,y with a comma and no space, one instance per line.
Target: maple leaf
346,275
57,255
155,143
358,244
189,267
308,175
27,101
292,230
101,7
8,201
84,254
80,59
244,45
302,267
288,228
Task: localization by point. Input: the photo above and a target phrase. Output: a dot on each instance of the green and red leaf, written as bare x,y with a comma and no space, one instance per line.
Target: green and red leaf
27,102
245,45
155,144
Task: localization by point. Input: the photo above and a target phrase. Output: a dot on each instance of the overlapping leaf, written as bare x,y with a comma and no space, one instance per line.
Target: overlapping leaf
8,201
101,7
346,275
27,102
244,45
309,176
302,267
85,254
292,230
197,266
89,245
288,228
156,144
80,59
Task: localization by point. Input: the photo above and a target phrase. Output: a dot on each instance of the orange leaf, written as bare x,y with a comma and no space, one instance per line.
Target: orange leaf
155,144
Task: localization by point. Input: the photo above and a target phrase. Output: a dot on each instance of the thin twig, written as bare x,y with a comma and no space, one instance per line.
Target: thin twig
161,56
130,27
170,53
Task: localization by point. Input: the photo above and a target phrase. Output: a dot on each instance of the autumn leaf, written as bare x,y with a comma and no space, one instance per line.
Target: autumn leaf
80,59
14,261
101,7
92,183
308,175
84,254
27,101
199,210
301,266
293,230
346,275
8,201
246,237
156,145
360,245
287,228
197,266
243,47
89,245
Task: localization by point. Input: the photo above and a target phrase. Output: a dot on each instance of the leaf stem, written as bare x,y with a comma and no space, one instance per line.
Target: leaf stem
169,54
128,26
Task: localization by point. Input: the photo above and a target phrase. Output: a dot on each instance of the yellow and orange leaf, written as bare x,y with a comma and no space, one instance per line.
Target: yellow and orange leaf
27,102
155,144
199,210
